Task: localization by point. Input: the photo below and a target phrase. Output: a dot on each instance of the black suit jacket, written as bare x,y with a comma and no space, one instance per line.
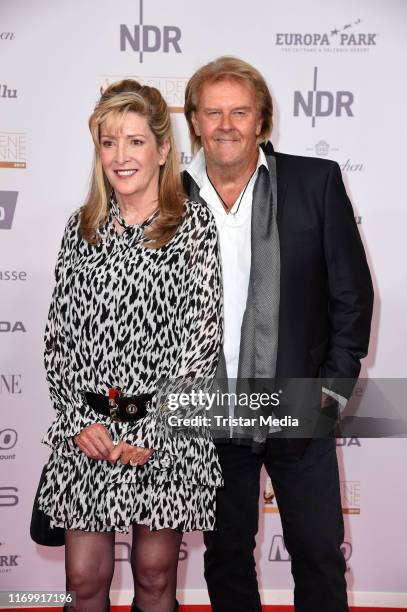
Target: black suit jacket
326,293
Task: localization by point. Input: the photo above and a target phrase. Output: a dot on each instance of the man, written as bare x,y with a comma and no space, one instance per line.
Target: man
297,303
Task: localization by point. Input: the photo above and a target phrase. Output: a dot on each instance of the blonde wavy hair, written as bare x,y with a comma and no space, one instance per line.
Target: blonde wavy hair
117,100
223,68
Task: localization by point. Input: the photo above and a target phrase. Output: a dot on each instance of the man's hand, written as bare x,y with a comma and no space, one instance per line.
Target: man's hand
95,441
126,453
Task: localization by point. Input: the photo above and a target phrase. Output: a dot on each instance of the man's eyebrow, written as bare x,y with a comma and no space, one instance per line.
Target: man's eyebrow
209,108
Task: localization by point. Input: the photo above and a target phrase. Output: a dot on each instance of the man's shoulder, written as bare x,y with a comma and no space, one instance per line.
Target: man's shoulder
304,163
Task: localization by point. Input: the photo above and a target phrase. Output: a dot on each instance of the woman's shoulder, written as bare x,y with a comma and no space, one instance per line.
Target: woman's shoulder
71,232
198,215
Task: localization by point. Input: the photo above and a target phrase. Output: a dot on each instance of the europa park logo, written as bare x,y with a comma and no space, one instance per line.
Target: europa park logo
142,38
349,37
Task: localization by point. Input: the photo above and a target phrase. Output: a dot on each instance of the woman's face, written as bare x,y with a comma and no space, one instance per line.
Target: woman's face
130,157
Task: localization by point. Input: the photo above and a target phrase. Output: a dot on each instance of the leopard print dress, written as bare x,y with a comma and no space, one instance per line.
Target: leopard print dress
125,315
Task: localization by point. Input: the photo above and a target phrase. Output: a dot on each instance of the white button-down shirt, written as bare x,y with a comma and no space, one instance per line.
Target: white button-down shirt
235,248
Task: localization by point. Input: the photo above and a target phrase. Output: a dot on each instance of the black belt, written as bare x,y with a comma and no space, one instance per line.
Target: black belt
119,406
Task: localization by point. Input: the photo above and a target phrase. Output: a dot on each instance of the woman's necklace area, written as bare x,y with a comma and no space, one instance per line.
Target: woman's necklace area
225,206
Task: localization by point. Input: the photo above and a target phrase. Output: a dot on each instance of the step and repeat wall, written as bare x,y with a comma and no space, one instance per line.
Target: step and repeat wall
336,72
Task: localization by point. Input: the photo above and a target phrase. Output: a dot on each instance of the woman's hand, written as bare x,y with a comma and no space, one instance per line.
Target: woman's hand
128,453
95,441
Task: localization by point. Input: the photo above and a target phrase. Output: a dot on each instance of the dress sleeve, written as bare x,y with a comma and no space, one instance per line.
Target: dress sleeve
202,332
72,413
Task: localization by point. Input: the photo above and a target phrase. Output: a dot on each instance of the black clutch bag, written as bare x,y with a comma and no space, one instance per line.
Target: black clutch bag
40,528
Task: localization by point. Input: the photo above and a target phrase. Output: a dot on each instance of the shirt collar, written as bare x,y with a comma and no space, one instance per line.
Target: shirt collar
197,167
116,214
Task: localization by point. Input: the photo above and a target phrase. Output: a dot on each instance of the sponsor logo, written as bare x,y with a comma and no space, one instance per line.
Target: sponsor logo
322,148
10,383
348,442
322,103
10,326
278,551
7,92
8,201
350,495
8,496
7,561
6,35
347,38
8,439
185,158
13,275
171,88
12,150
270,504
142,38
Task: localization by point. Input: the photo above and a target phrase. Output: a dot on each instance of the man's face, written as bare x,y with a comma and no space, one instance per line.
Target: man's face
227,122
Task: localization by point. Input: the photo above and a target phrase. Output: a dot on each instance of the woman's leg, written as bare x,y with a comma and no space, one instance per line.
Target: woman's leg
154,561
89,565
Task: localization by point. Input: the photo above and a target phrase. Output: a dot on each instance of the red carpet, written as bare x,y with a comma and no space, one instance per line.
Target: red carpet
208,609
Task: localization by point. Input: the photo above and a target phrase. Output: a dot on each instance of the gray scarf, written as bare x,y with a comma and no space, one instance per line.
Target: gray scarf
259,332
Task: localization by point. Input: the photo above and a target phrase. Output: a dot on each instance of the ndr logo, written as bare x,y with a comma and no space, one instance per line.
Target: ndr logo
8,201
322,103
149,38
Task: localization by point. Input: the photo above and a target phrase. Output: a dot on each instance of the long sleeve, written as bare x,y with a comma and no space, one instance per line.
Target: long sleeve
350,290
202,328
73,414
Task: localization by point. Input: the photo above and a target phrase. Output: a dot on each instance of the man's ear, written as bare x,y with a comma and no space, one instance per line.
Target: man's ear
195,123
259,125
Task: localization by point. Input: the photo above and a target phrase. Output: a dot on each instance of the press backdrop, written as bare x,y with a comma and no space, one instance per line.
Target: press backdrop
336,72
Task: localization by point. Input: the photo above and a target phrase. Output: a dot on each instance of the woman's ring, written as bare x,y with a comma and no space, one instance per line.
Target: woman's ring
133,462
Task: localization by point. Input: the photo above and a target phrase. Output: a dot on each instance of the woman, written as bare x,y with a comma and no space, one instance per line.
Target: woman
137,299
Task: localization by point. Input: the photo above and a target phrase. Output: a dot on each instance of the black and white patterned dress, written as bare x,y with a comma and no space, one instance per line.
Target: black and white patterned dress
125,315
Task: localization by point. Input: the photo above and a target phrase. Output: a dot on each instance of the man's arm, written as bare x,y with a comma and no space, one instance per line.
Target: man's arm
350,289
